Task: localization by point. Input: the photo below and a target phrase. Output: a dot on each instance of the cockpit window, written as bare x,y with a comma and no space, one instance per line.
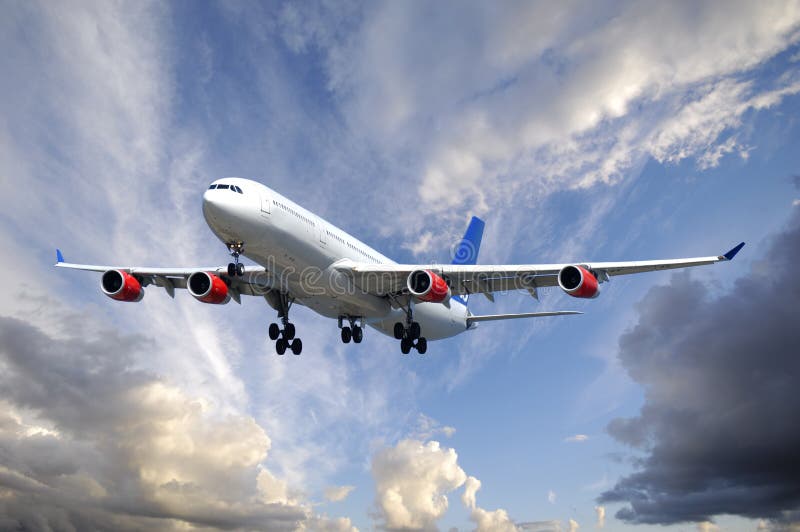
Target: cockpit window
239,190
222,186
212,187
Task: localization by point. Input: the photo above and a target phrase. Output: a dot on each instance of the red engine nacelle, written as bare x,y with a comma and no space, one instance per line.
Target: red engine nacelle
122,286
427,286
577,281
208,288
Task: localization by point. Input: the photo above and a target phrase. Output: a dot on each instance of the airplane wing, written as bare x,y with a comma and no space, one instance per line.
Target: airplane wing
254,282
391,279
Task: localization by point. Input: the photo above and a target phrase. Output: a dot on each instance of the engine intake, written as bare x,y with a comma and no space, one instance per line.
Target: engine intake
208,288
427,286
122,286
577,281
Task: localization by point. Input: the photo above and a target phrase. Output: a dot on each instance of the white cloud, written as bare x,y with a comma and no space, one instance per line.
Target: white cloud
119,448
707,526
796,203
338,493
601,516
534,99
485,521
577,438
412,481
573,525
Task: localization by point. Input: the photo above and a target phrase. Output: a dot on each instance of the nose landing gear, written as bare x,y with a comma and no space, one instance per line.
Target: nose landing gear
235,249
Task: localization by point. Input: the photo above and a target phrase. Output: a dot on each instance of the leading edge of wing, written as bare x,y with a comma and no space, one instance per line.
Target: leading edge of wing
146,270
495,317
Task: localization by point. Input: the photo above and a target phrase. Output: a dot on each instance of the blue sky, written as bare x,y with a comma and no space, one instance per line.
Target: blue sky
578,131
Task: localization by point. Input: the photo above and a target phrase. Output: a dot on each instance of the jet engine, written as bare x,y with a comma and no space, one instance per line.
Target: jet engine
208,288
427,286
577,281
121,285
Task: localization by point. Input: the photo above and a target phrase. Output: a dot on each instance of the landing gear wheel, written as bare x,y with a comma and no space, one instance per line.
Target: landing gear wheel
240,269
288,331
231,269
358,334
281,345
346,335
414,331
297,346
399,331
422,346
274,331
405,345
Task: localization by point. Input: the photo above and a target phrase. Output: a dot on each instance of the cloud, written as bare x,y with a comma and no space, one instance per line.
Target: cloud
577,438
718,379
89,443
338,493
412,480
601,516
535,98
551,496
707,526
573,525
485,521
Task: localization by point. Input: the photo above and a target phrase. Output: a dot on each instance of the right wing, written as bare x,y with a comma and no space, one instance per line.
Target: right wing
255,282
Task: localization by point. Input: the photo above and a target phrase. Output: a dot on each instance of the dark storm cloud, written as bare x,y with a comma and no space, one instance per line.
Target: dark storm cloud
720,427
85,443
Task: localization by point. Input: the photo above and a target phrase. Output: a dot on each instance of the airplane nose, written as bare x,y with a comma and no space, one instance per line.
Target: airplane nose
218,209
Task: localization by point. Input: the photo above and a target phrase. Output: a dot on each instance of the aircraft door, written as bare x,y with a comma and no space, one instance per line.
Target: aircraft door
323,237
266,202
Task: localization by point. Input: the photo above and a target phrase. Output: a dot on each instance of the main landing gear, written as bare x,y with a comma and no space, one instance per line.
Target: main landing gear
235,268
353,332
285,337
410,335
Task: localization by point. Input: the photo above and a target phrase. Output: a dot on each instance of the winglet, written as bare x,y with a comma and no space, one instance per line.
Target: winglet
59,256
732,253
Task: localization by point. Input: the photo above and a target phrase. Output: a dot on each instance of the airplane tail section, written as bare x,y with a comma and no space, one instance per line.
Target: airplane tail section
465,252
494,317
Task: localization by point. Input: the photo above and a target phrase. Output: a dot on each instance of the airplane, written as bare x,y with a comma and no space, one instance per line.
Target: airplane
303,259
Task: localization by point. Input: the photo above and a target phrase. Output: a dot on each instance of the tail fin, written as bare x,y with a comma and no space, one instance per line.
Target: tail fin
466,251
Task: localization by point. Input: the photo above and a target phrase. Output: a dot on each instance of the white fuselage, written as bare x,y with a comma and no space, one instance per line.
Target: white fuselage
299,250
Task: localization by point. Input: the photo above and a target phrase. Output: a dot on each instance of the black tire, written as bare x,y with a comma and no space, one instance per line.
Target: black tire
414,331
347,334
422,346
358,334
289,331
297,346
399,331
240,269
274,331
281,345
231,269
405,346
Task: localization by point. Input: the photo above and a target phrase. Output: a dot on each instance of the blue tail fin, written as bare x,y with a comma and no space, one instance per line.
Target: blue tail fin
466,251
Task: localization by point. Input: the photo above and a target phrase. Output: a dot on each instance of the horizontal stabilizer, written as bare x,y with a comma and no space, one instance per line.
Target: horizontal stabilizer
493,317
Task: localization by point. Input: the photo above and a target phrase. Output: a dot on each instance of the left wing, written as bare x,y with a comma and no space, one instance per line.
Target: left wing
392,279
